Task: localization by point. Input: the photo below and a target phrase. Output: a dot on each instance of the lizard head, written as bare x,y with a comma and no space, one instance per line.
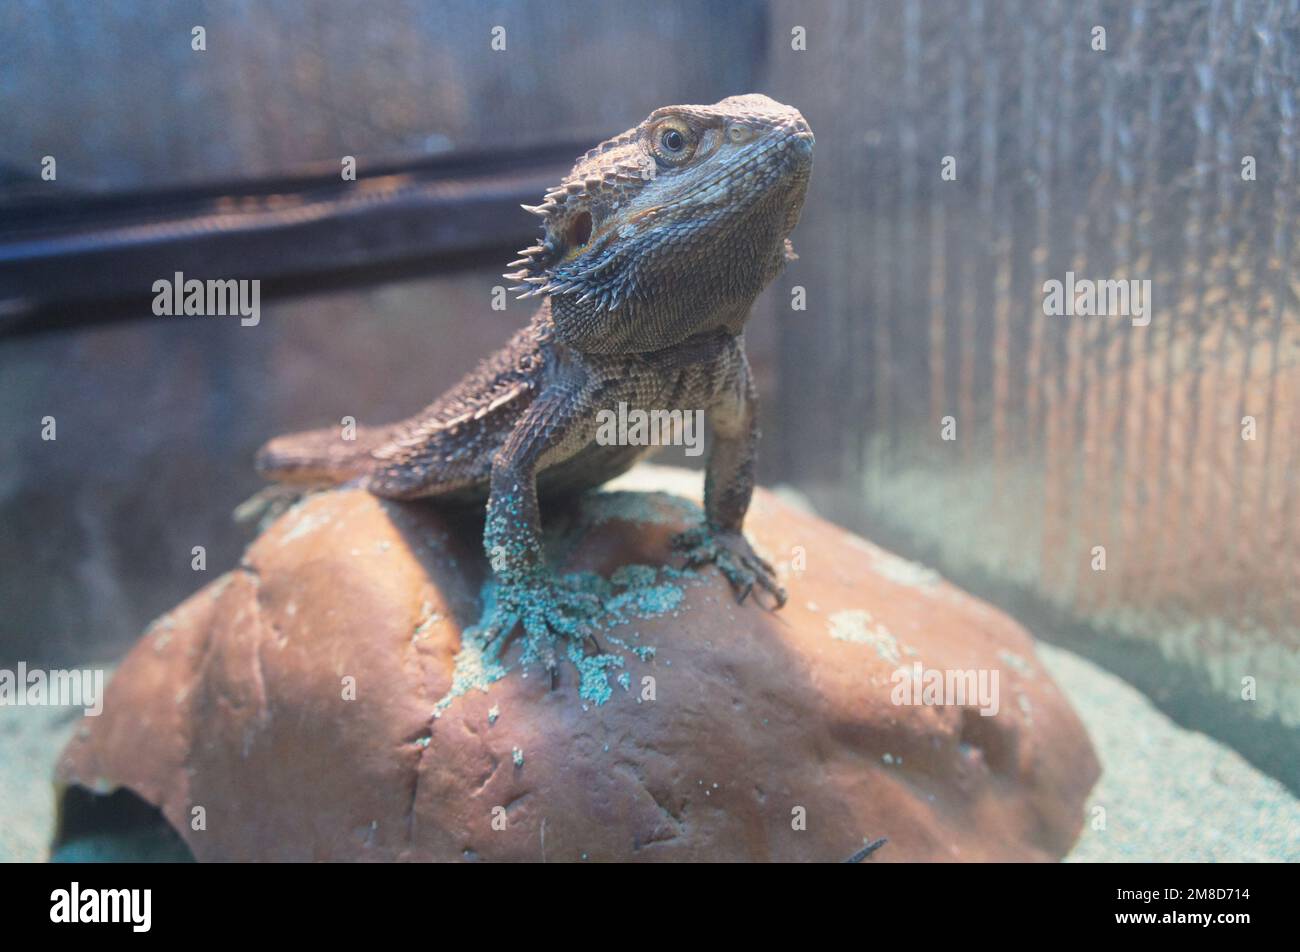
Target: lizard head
671,229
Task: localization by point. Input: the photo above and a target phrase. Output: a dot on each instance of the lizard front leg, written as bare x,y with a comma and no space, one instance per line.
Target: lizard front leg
526,591
728,487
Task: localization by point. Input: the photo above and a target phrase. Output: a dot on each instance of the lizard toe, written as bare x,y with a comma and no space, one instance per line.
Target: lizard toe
735,558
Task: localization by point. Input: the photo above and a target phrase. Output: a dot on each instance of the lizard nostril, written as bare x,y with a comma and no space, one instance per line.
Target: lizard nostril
739,134
580,230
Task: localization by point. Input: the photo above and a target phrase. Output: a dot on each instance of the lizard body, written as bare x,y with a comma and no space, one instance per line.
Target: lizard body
653,251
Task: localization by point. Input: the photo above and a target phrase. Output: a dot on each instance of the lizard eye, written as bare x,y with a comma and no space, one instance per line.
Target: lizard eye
673,143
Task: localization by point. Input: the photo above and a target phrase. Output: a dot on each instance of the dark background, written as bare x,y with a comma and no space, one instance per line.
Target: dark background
924,296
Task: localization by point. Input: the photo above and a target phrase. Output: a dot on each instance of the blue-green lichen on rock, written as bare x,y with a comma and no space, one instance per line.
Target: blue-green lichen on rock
586,606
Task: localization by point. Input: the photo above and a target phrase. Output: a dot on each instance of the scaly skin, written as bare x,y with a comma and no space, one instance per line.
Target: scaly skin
652,253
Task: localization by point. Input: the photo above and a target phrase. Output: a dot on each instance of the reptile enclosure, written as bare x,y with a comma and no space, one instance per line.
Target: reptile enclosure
1123,485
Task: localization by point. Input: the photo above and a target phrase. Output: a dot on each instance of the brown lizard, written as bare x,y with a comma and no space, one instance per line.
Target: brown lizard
653,251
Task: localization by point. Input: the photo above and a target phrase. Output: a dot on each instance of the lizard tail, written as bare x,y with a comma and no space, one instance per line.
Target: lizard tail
319,458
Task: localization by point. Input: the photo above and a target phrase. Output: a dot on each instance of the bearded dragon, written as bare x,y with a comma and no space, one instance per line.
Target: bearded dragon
652,253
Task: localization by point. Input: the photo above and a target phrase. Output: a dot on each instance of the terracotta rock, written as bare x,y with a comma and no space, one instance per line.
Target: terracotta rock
239,702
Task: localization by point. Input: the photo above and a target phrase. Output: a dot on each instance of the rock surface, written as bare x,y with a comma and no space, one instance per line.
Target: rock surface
326,701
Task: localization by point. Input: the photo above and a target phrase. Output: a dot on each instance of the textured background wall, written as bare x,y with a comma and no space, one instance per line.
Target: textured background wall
113,89
1071,432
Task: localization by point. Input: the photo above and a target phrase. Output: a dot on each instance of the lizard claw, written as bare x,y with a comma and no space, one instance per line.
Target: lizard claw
734,557
549,609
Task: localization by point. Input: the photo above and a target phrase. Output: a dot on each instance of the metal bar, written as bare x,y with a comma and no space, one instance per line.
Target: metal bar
65,261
